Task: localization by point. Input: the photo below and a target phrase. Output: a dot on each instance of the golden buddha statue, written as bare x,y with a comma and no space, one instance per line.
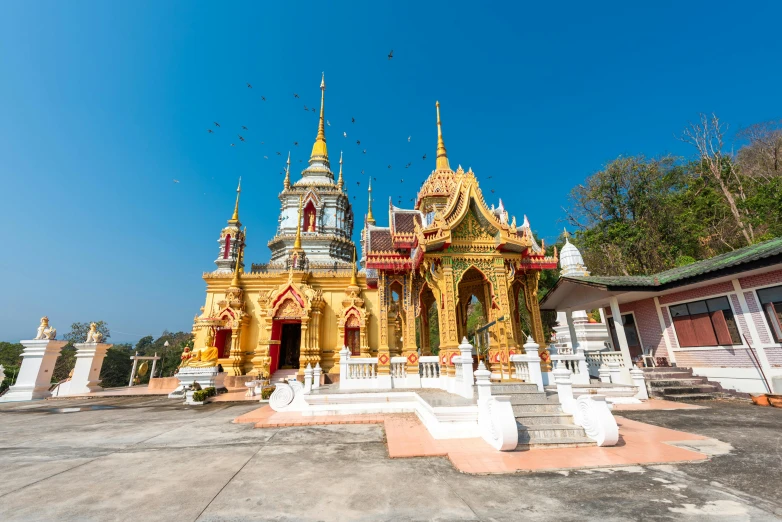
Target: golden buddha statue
204,357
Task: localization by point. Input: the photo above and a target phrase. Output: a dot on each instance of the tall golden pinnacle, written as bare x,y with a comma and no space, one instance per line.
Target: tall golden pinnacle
370,217
287,182
297,242
235,218
340,181
239,257
442,155
353,278
319,148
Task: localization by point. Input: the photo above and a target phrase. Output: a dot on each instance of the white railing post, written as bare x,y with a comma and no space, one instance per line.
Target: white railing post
316,375
483,381
564,389
604,373
583,369
638,380
533,362
615,370
465,360
344,354
308,378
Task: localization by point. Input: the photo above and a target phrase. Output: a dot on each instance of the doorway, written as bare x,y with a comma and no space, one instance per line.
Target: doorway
290,343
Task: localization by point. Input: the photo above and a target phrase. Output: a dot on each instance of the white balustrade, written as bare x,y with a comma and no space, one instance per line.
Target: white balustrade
429,367
595,360
398,367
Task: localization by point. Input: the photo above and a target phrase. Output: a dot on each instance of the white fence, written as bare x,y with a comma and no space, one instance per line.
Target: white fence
595,360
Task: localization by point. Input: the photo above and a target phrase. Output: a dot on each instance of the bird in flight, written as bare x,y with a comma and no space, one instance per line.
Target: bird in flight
408,139
245,128
232,145
296,143
358,142
492,191
345,134
328,123
313,109
210,131
489,177
389,166
249,86
266,157
295,95
365,151
352,120
240,138
401,181
176,181
263,98
391,54
306,108
424,156
279,154
216,124
362,171
358,183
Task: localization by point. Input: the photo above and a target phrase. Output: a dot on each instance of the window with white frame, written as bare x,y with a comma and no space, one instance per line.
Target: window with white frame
705,323
771,301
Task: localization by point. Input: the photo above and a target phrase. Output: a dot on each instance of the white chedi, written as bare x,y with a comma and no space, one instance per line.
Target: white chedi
45,331
571,263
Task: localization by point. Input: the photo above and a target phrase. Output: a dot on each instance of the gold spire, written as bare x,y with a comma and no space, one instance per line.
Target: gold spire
297,243
319,148
370,217
442,155
340,182
239,256
235,218
353,278
287,182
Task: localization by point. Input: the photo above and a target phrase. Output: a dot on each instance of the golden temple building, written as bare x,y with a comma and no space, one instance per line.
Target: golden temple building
311,299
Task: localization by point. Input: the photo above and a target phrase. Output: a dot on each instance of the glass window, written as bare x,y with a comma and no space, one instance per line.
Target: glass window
708,322
631,333
771,302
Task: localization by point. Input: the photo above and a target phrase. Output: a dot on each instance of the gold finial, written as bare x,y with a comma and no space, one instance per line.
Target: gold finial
442,155
340,182
319,148
287,182
353,278
235,218
297,242
370,217
566,235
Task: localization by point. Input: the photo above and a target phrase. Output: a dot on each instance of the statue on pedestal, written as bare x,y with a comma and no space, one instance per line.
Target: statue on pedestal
45,331
205,357
94,336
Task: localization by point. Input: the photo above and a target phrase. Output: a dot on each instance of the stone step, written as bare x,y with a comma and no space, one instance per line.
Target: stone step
661,383
690,397
662,376
543,407
679,390
526,397
516,387
576,442
545,432
536,418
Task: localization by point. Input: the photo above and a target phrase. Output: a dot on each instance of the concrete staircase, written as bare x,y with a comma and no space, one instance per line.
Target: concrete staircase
539,419
679,384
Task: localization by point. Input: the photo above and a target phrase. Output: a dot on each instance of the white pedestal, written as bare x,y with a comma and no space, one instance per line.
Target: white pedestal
86,373
35,375
205,377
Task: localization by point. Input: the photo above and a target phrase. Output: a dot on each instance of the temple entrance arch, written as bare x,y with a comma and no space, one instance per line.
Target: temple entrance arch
474,301
396,318
428,324
290,345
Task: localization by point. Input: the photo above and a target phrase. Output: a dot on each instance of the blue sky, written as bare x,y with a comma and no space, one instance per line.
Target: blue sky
104,104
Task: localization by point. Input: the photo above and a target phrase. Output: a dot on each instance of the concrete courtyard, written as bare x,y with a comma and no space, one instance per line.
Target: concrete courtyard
154,459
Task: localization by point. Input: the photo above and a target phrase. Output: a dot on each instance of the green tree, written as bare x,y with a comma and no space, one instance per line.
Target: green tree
116,366
11,361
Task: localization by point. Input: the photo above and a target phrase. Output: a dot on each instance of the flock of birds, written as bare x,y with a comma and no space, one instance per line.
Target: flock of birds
241,137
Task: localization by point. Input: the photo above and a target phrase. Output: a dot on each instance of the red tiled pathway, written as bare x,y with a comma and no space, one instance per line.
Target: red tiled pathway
639,443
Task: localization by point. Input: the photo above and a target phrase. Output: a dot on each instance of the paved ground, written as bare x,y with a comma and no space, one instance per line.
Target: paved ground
149,459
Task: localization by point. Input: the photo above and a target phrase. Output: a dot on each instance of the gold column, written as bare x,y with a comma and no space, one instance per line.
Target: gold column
531,279
449,340
383,352
261,360
409,348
